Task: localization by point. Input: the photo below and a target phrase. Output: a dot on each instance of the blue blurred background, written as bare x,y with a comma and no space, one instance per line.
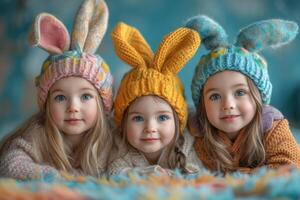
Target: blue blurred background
20,63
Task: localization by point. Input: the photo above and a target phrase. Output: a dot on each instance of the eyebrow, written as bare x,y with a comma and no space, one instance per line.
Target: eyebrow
234,86
133,112
81,89
159,112
90,89
56,90
209,90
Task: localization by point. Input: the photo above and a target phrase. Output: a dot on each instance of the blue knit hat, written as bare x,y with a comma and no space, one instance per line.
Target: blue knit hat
242,56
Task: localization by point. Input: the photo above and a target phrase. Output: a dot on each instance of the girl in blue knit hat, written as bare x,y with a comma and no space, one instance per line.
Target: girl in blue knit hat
231,90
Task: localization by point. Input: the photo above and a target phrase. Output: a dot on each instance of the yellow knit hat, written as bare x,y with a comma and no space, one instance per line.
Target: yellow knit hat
153,74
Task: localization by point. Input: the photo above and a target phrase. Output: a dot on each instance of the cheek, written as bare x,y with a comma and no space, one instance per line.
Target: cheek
132,132
56,112
212,111
130,136
250,109
168,131
91,111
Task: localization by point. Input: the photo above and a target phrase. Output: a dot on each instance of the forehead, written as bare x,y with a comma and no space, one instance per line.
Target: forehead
225,79
149,102
72,83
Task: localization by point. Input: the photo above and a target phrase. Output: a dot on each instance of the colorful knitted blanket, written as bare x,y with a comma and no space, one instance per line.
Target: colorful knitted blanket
263,184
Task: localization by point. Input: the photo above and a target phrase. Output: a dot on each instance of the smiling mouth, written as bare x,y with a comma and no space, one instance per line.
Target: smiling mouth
149,139
73,121
230,117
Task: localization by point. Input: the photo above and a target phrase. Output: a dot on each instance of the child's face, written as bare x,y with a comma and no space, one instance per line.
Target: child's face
73,105
228,102
150,125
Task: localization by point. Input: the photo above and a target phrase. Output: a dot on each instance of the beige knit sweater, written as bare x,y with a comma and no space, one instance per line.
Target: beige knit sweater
19,161
135,161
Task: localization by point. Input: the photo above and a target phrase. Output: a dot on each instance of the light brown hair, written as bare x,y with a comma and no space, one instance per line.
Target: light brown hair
176,158
51,147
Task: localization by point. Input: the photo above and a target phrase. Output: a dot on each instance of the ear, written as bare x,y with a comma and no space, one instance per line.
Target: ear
176,49
130,46
50,34
90,25
267,33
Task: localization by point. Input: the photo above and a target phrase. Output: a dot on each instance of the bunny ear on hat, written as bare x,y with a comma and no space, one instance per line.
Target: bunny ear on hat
212,34
50,34
131,46
268,33
175,50
90,25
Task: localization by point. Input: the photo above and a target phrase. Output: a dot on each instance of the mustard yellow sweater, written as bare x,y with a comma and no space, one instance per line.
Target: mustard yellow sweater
280,146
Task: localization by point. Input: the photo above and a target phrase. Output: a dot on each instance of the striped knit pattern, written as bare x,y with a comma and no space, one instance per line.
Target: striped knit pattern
280,146
153,74
87,66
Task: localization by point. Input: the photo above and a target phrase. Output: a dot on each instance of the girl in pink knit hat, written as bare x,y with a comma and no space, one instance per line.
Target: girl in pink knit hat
70,132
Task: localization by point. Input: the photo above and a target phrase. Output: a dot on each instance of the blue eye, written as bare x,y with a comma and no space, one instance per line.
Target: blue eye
59,98
85,97
214,97
137,118
163,117
240,93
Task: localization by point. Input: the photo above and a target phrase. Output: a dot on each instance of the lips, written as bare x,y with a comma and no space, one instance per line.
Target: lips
149,139
230,117
73,121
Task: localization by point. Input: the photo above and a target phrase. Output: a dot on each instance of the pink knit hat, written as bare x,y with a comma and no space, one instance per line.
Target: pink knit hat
79,60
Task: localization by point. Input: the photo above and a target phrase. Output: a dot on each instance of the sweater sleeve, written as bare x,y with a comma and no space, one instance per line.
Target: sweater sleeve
17,162
281,146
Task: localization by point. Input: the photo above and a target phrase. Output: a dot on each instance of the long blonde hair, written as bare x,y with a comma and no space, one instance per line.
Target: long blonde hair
175,156
252,153
51,147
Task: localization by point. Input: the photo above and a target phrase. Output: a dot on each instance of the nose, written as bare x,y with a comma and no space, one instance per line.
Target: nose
150,127
228,103
73,106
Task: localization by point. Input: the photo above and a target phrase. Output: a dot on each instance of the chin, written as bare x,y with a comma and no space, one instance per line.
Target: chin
70,132
235,130
150,150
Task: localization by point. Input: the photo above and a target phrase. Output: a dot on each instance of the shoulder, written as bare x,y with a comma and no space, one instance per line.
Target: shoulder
12,158
280,128
18,146
270,116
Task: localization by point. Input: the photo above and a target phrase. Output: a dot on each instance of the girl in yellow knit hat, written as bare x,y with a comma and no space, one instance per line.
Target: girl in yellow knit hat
231,91
150,110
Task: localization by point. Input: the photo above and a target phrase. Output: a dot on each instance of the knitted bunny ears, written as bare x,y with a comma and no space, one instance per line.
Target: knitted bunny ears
153,74
173,53
242,56
50,34
75,59
255,37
